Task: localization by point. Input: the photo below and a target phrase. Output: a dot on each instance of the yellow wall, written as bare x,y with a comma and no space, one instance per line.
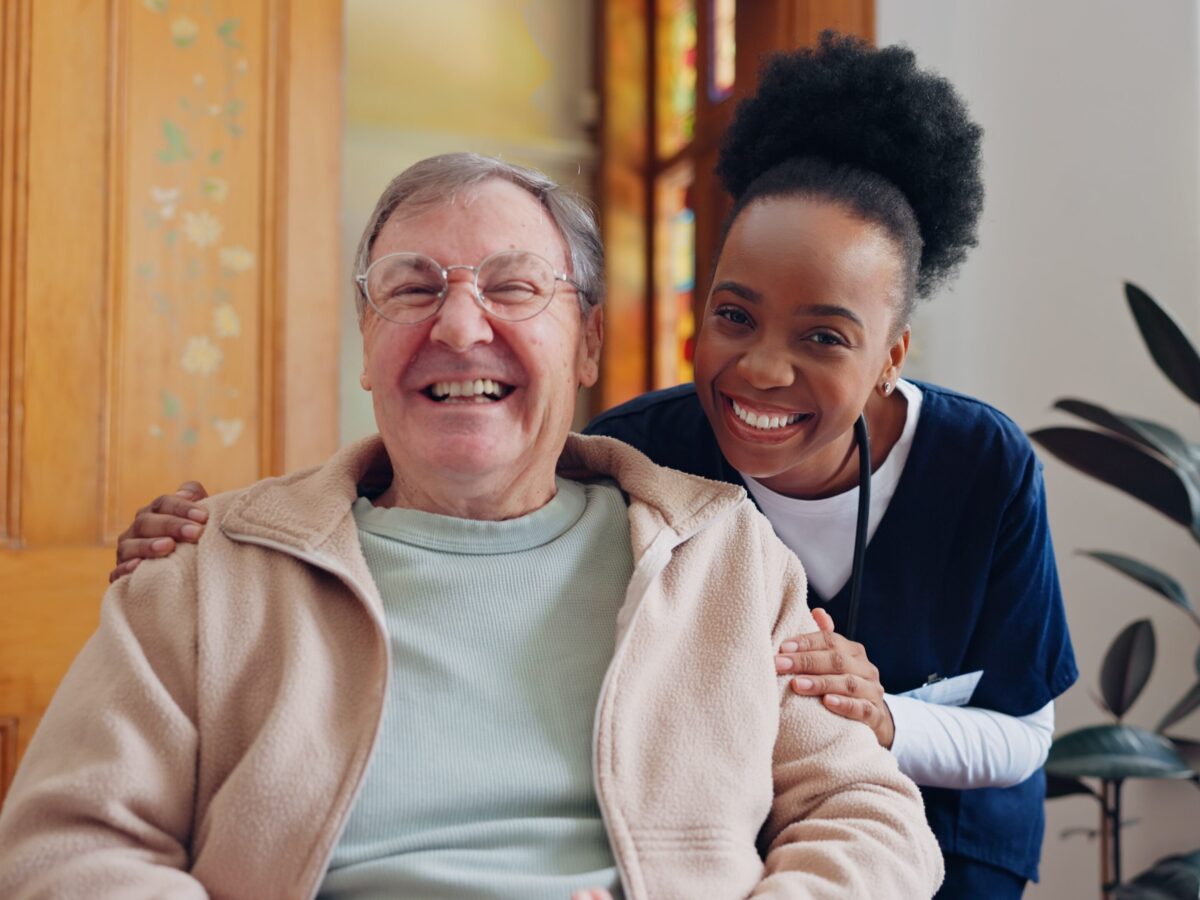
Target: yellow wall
508,78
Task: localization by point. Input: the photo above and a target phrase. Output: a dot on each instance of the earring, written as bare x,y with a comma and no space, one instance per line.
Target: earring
886,388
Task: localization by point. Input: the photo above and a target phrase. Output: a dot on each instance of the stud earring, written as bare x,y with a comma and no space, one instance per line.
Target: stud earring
886,388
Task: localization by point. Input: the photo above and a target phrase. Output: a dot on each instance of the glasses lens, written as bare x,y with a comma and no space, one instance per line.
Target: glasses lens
516,285
405,287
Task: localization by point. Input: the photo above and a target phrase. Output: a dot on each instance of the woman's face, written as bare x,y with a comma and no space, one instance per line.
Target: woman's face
798,334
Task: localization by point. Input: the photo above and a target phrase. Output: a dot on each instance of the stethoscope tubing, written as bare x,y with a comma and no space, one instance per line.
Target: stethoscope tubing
863,439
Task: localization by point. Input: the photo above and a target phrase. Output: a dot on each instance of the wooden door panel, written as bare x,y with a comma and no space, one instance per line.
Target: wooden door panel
169,286
49,607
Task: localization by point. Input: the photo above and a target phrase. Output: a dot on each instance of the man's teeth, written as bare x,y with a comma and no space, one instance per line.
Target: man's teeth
481,390
765,422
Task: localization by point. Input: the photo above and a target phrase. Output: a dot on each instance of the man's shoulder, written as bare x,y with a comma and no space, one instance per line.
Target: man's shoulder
682,499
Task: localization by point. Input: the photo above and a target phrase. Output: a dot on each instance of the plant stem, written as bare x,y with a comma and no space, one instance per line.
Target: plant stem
1105,839
1116,819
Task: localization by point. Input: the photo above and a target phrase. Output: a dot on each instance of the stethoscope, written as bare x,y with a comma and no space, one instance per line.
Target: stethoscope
860,528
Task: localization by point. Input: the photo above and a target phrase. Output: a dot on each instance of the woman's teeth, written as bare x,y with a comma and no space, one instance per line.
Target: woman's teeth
764,422
481,390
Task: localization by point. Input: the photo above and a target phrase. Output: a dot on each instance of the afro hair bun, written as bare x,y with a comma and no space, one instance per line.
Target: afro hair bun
873,109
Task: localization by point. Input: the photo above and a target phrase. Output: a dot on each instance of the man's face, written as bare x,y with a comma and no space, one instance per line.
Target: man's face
456,443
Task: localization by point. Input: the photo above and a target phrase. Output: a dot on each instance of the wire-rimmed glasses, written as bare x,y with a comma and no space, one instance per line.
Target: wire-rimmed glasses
513,285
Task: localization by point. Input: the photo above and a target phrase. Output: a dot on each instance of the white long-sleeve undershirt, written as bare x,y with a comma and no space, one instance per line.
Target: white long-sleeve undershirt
968,746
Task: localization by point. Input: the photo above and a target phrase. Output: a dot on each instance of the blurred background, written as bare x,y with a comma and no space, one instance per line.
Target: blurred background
183,182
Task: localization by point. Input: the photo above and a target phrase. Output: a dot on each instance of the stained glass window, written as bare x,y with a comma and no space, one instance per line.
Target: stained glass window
723,60
675,76
675,277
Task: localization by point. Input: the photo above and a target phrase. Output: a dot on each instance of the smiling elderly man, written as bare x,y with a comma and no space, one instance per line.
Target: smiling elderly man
442,664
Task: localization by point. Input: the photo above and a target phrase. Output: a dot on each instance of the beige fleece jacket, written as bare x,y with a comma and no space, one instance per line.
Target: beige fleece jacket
212,735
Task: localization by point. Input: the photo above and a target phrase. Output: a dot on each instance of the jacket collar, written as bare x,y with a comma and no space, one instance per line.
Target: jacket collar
304,509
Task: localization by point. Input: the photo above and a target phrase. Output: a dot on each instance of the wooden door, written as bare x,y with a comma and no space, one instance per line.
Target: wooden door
169,283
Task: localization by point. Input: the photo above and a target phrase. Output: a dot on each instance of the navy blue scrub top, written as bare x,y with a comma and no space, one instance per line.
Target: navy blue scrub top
959,577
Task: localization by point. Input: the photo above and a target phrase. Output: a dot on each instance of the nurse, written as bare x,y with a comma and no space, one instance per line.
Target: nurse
856,187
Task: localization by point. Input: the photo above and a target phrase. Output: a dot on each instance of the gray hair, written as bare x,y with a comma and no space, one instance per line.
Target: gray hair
436,179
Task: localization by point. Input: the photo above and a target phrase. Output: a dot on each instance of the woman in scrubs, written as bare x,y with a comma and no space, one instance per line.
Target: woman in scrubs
856,186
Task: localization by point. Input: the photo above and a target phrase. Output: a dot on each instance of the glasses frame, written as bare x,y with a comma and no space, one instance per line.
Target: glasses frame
361,281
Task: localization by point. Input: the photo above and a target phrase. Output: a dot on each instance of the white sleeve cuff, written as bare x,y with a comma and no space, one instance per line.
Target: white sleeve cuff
967,746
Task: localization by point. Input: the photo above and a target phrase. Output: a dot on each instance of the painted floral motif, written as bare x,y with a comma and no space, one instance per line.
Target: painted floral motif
229,430
184,32
203,228
166,200
236,259
201,356
226,323
197,262
215,188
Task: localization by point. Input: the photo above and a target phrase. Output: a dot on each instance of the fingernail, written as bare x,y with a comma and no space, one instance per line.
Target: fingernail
783,664
160,544
790,647
804,684
833,699
190,531
198,515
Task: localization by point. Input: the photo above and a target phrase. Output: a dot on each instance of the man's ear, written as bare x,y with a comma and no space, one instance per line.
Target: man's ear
593,338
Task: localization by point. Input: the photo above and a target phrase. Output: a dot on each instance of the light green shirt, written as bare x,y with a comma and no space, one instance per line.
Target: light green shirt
501,633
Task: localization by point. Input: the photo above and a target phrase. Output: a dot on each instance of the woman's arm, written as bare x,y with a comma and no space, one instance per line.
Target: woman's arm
935,745
967,746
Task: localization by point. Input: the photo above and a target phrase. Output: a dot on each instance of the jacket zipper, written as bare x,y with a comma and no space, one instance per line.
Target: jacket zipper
381,629
649,567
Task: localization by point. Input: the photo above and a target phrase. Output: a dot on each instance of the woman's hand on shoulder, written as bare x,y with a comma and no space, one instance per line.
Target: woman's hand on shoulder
159,525
827,665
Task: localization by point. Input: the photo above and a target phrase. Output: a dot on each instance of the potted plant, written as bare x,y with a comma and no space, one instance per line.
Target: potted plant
1158,466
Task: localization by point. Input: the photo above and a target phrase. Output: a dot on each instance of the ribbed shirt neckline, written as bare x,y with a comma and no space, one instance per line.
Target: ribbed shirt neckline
451,534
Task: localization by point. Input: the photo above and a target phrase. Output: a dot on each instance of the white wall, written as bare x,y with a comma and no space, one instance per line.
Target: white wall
1092,162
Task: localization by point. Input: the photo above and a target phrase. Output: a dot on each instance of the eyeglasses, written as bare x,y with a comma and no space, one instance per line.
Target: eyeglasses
513,285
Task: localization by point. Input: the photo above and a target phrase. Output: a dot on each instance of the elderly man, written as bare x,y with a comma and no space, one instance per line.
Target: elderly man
440,665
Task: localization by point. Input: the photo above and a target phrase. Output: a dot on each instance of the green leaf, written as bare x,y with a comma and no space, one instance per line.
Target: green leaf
1147,576
227,31
1188,750
1152,435
1057,786
1125,466
1127,666
177,148
1186,704
1168,345
214,158
1171,878
170,405
1114,752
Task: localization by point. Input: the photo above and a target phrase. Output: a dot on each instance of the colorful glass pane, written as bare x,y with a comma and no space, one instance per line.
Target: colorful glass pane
675,281
675,75
722,63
